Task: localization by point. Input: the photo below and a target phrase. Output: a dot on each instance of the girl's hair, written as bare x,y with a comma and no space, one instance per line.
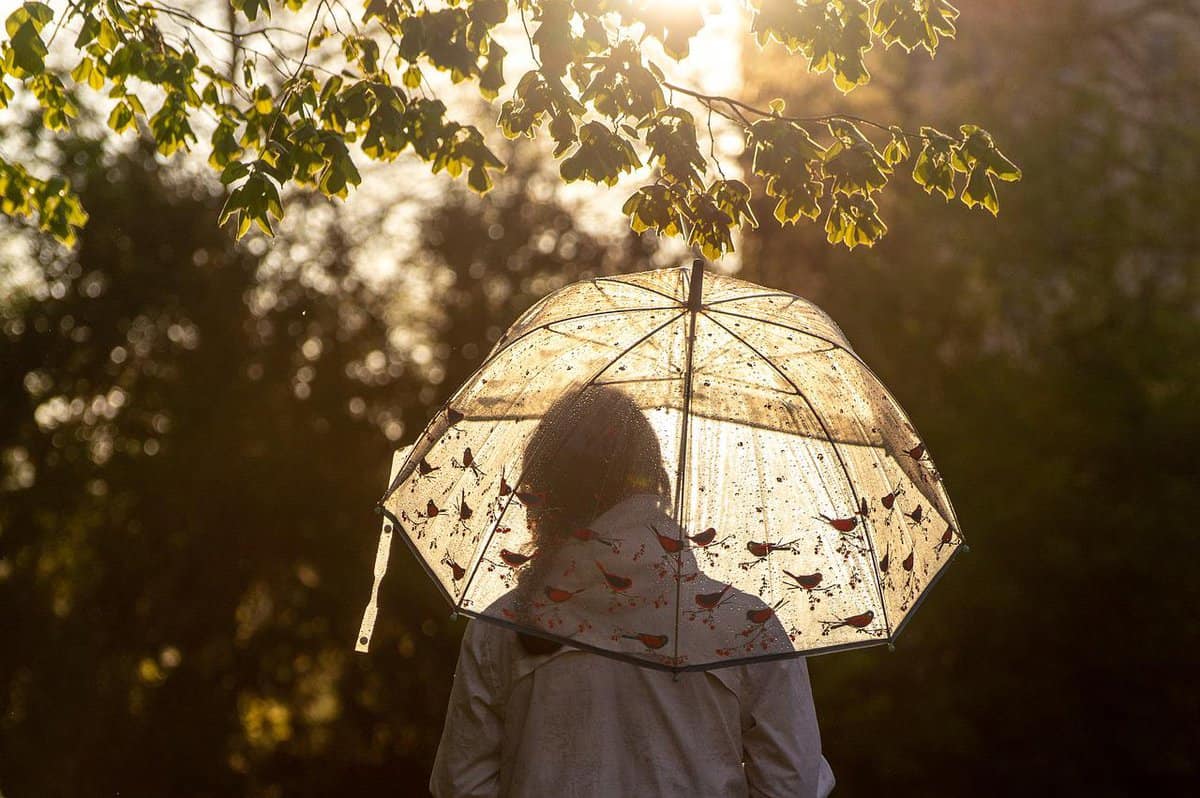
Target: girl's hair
591,450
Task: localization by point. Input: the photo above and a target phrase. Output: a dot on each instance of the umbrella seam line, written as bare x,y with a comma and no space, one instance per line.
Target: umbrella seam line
635,285
658,666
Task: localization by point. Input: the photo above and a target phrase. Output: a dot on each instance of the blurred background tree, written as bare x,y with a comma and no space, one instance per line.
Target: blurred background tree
1052,361
193,432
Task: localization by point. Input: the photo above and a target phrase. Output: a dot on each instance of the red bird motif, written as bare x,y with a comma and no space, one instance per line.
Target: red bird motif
806,581
584,533
761,615
916,514
455,569
587,534
453,416
464,509
763,549
424,468
652,642
670,545
908,562
558,595
514,559
704,538
946,540
860,621
615,581
840,524
710,601
431,510
890,498
916,452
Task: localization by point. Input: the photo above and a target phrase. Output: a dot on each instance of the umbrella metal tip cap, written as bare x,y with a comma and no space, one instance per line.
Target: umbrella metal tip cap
966,549
892,647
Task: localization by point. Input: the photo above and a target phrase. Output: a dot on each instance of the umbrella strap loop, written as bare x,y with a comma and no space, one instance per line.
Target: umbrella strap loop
363,642
382,552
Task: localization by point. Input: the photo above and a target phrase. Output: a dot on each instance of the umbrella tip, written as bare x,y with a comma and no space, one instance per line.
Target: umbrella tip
892,648
965,549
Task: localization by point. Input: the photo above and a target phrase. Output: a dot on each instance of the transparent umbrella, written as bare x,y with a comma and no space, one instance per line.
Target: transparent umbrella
677,468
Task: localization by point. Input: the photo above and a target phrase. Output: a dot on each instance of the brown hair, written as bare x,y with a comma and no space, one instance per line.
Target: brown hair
592,450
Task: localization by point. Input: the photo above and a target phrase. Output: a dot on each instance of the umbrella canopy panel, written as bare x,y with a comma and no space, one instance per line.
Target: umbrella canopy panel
683,488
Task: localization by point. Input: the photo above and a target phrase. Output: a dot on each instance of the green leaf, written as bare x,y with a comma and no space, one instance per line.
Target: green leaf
107,38
671,137
654,208
732,197
853,162
234,171
39,13
897,151
934,169
854,220
250,8
87,32
981,190
913,25
27,51
82,70
601,157
121,118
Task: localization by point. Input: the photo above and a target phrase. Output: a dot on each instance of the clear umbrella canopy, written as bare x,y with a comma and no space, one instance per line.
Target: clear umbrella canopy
684,478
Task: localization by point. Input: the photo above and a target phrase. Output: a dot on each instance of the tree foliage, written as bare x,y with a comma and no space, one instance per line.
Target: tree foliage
294,118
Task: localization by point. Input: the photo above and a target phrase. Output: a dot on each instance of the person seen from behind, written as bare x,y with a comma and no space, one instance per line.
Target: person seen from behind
530,717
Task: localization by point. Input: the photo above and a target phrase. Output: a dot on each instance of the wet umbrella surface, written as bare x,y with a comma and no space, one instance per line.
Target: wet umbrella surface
683,478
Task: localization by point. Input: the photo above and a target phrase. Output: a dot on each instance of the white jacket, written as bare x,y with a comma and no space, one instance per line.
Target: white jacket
578,725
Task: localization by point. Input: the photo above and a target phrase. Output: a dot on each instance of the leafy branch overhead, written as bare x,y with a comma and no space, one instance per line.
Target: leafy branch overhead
302,100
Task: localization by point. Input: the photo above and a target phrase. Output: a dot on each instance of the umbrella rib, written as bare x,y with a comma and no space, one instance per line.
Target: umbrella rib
681,471
750,296
636,285
836,451
583,387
